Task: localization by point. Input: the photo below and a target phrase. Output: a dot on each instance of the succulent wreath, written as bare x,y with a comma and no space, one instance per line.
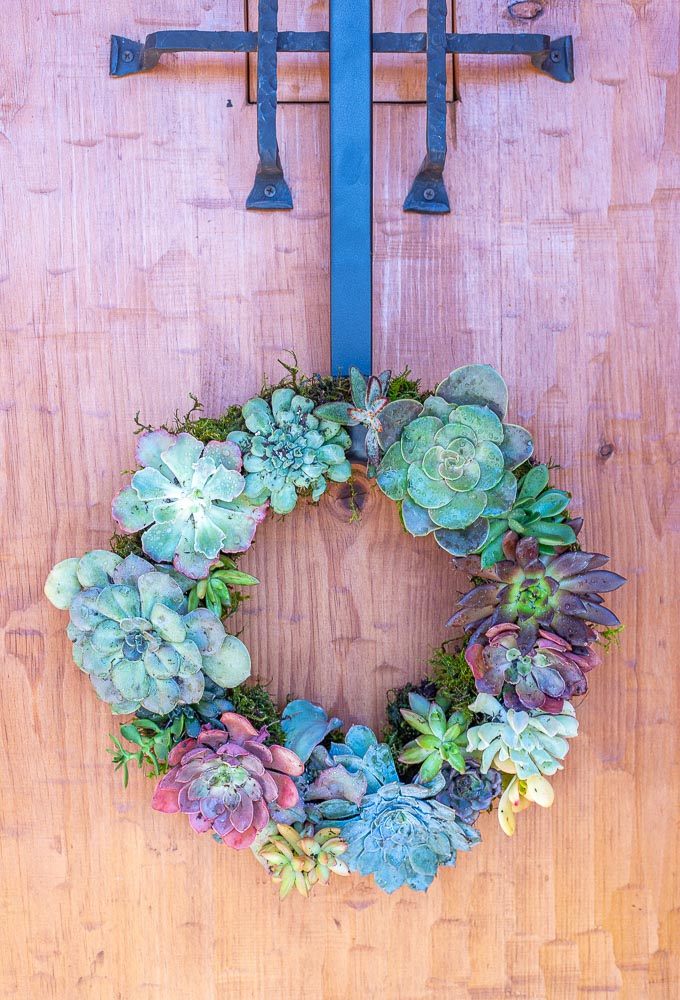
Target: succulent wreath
491,720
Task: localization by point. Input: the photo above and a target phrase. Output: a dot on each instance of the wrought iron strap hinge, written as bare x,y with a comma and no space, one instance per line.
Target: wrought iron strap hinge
553,57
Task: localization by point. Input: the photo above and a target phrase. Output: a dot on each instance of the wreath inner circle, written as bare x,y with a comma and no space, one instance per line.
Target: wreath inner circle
488,725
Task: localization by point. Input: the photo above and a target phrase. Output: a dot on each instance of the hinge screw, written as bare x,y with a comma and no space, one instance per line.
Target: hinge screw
555,56
269,191
428,194
127,56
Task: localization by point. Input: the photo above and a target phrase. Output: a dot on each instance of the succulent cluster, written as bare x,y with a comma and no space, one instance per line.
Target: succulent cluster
302,858
287,449
530,743
492,720
441,741
539,510
471,791
560,592
548,674
371,406
215,591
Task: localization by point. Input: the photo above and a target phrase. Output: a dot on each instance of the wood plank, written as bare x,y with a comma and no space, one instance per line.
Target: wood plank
130,274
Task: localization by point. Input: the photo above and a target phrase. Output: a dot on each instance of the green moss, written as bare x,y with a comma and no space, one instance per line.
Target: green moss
608,637
126,545
255,702
403,386
204,429
452,675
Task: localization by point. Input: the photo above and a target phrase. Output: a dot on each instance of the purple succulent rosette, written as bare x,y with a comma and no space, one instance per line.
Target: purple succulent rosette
188,500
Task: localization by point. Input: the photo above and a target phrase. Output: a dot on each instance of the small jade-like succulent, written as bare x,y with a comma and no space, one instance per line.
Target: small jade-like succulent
213,590
452,467
225,780
441,741
538,511
549,674
560,593
289,449
300,857
188,500
519,794
471,792
402,835
131,633
531,742
371,407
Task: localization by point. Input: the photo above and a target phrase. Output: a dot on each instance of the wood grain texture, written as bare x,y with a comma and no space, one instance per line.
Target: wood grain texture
131,274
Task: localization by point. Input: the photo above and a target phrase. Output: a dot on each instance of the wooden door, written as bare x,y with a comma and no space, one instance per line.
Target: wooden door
131,275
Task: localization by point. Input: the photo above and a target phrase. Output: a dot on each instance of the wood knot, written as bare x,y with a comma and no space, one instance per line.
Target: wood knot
525,10
353,498
606,450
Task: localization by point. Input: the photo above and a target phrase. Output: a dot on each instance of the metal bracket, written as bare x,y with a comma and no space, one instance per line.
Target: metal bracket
427,195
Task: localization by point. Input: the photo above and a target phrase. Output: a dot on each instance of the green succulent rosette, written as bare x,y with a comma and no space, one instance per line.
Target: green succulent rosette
452,468
188,500
287,449
132,635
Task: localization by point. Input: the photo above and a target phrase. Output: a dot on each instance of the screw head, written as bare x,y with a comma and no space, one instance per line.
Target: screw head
428,194
555,56
269,191
127,56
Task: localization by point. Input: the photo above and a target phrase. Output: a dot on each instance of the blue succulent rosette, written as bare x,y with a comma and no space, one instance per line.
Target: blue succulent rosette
401,834
287,448
472,792
397,832
132,635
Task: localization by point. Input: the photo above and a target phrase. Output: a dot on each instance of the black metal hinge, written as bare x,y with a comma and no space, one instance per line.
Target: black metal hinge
554,57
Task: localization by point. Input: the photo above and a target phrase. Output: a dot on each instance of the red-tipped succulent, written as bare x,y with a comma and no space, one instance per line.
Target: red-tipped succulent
225,780
549,674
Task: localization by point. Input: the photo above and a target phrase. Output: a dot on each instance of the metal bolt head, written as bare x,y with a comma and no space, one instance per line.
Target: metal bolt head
127,55
428,194
269,191
555,56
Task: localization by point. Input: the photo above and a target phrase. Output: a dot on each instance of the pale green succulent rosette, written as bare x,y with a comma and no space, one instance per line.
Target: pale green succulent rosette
525,743
452,467
188,500
132,635
289,449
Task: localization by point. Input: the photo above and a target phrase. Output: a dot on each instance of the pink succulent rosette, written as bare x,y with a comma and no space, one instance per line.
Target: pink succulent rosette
551,673
225,781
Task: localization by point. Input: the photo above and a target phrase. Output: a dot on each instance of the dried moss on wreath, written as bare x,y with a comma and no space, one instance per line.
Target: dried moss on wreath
488,726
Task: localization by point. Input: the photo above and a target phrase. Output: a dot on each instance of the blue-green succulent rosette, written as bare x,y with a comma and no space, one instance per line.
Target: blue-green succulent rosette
487,729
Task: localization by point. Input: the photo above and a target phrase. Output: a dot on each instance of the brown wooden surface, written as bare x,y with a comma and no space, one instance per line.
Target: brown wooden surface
131,274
